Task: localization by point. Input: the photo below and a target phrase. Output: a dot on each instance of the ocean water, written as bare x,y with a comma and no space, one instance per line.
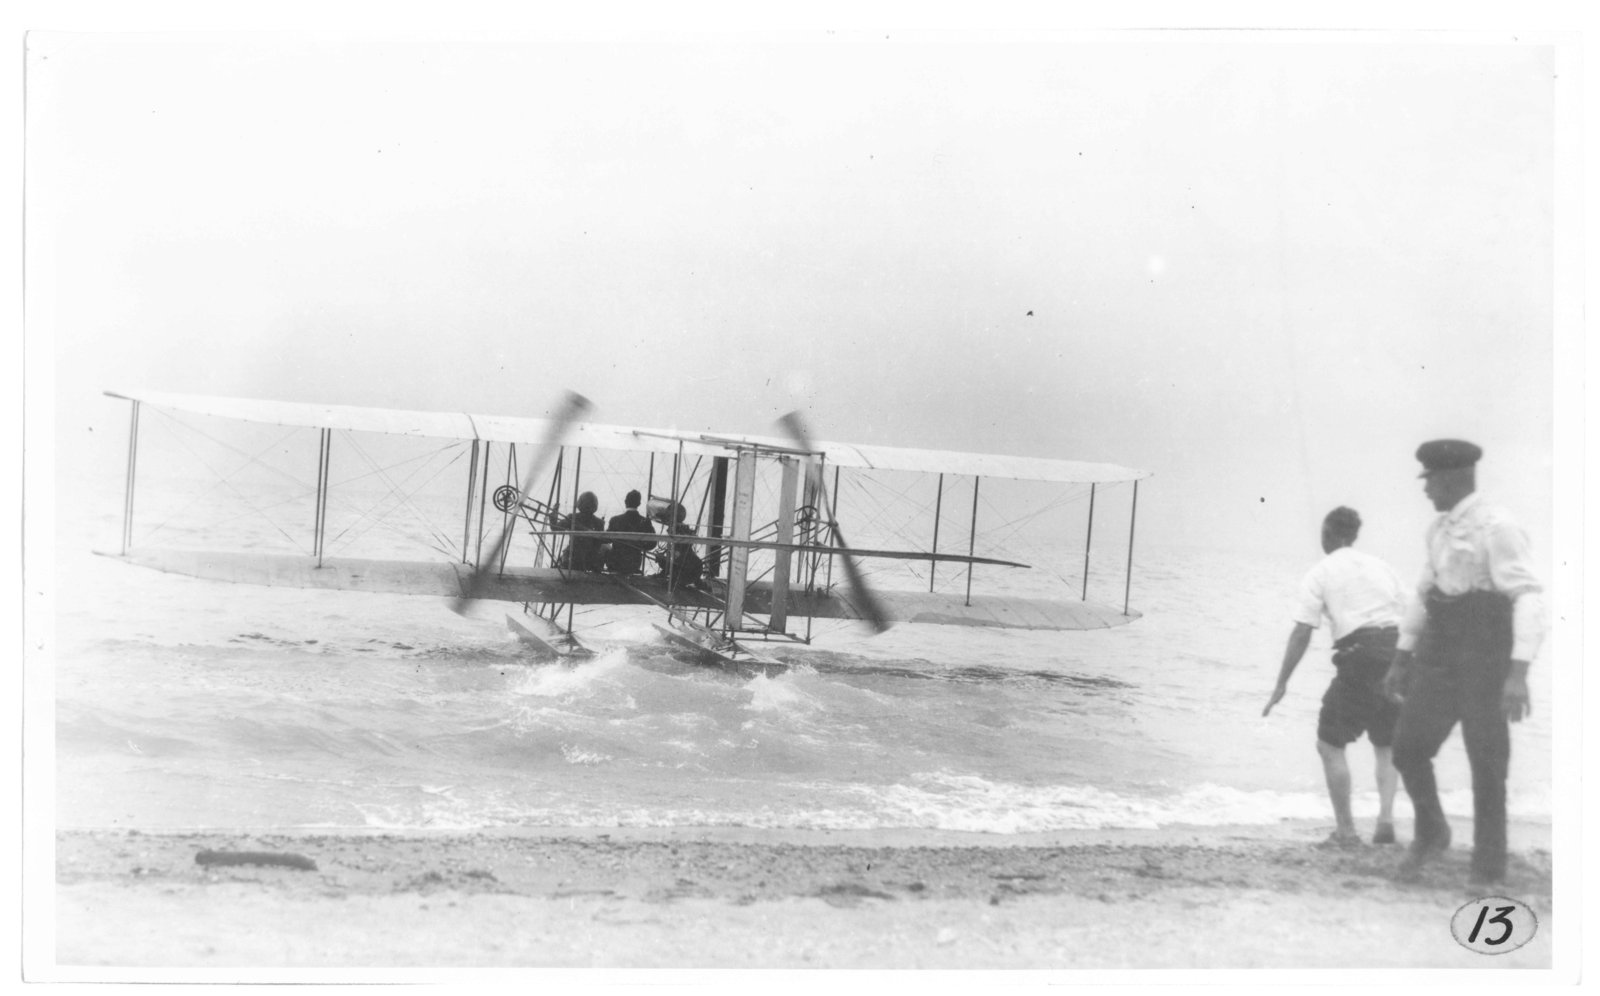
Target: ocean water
188,703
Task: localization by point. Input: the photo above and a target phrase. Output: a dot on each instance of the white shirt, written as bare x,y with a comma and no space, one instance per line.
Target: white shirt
1477,546
1353,589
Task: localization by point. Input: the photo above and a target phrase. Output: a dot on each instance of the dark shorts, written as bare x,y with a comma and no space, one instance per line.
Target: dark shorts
1354,702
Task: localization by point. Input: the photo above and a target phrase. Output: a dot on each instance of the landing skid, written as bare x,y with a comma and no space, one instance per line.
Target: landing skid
709,646
564,646
730,656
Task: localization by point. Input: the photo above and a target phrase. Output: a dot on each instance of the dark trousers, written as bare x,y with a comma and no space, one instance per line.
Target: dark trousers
1460,671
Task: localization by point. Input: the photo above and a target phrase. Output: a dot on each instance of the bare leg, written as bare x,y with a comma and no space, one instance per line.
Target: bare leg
1388,781
1337,771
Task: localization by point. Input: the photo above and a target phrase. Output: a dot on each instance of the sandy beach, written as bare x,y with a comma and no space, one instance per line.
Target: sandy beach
737,898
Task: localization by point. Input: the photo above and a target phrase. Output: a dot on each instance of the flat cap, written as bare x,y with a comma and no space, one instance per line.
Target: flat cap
1447,454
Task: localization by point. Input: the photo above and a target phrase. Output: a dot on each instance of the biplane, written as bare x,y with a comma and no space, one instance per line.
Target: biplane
760,514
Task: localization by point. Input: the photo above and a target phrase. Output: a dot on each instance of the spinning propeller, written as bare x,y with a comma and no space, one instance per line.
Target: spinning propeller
573,406
860,594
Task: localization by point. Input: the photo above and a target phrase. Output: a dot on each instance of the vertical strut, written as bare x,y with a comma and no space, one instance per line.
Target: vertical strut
320,528
778,616
744,484
1086,541
672,519
808,536
833,518
327,485
705,495
972,537
1133,515
552,498
505,517
938,504
483,501
719,498
811,524
472,484
555,483
127,494
555,518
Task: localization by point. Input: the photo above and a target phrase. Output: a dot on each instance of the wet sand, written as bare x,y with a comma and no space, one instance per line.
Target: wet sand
736,898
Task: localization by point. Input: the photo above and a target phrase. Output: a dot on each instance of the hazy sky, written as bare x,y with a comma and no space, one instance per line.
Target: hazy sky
1264,270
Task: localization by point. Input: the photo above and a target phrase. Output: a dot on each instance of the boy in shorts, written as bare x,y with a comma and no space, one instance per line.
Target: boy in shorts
1362,599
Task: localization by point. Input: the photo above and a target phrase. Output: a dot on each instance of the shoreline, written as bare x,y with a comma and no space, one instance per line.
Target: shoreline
655,897
1524,833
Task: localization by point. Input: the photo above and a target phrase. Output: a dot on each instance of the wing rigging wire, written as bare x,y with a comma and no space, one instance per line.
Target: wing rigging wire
862,484
1000,535
397,491
1017,524
1004,543
687,486
224,479
997,538
378,471
255,459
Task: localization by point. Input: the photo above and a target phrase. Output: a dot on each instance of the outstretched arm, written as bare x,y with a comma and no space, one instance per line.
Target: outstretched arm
1299,640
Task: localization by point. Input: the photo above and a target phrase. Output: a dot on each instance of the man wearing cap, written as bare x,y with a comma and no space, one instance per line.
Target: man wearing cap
1463,654
1363,600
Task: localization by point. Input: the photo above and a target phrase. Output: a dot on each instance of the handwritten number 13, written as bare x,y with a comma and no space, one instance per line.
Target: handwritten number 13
1500,918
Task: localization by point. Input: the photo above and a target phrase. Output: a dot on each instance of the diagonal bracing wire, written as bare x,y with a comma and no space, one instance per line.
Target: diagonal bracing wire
304,488
224,480
999,536
396,491
1002,533
1017,524
901,502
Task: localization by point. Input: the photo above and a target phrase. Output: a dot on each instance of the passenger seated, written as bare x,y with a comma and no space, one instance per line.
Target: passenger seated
627,556
680,558
582,553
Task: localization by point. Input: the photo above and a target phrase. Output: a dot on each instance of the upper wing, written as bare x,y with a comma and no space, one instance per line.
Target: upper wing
504,428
